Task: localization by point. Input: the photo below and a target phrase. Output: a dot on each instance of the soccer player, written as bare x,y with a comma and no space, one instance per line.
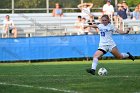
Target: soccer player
106,43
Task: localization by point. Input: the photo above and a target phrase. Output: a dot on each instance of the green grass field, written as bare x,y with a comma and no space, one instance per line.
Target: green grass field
70,77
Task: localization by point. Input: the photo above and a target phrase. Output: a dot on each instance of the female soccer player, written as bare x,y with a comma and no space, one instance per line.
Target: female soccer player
106,43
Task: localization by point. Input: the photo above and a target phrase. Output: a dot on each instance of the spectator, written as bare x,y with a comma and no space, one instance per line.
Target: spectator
57,12
108,8
81,25
91,22
78,22
85,26
139,6
85,9
125,6
77,25
136,14
9,27
121,13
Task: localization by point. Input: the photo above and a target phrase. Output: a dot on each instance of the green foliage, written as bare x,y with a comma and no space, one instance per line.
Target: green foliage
5,4
30,4
133,3
64,3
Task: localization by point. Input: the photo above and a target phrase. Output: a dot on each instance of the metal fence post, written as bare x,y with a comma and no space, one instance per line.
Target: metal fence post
13,6
47,6
82,1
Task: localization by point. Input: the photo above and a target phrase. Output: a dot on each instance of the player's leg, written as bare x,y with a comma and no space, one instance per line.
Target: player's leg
97,54
119,55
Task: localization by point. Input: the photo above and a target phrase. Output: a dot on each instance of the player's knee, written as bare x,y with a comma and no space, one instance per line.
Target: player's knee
95,56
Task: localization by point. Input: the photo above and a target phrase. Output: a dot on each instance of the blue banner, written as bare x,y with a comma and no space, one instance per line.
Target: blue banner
37,48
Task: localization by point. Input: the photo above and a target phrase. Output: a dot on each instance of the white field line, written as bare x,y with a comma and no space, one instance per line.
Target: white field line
41,75
45,88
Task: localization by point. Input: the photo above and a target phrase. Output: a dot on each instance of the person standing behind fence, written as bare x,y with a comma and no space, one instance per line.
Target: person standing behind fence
125,6
9,27
108,9
85,9
139,6
121,15
57,11
136,13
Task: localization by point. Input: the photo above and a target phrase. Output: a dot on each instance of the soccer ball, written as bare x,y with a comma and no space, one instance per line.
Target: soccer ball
102,72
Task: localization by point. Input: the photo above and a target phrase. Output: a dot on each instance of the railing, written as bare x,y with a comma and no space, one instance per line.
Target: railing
65,10
43,24
49,10
134,25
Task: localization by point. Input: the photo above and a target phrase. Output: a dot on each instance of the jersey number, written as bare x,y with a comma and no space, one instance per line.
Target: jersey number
102,33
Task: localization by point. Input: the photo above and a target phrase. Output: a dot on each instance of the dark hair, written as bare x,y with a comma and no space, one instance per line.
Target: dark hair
79,17
108,0
8,16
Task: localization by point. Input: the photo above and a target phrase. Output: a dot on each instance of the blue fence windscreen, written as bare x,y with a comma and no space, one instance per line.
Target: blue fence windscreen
37,48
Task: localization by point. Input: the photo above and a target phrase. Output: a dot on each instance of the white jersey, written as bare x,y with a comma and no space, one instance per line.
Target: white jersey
108,9
106,34
85,11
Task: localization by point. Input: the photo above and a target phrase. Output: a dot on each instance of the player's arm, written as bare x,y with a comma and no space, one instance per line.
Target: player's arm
80,6
93,25
123,32
90,5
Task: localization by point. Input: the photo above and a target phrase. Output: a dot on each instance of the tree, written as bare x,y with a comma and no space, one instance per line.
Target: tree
65,3
5,4
30,3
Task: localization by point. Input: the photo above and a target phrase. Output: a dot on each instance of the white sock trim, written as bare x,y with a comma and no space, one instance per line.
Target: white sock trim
125,55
